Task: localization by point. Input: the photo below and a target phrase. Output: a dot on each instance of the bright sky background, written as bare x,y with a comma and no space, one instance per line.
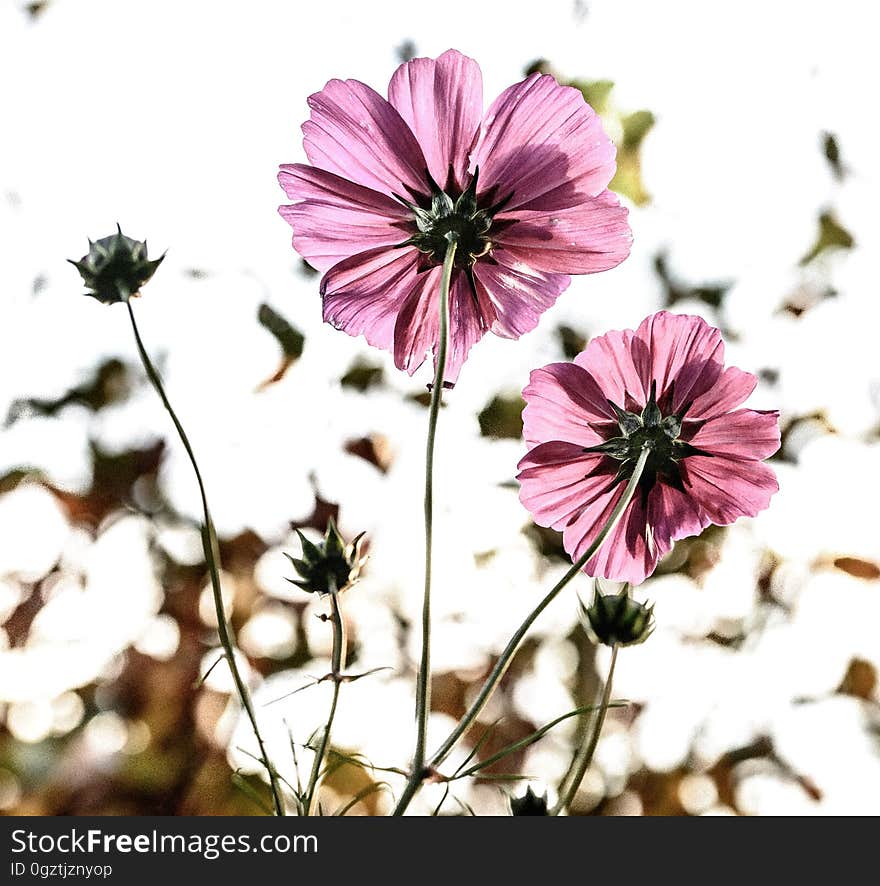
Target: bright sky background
172,119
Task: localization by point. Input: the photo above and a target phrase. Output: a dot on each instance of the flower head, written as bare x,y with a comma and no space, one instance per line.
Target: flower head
663,386
330,565
522,188
116,267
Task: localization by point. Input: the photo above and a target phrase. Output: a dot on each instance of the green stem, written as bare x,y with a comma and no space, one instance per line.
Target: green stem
423,682
584,756
340,643
212,556
506,657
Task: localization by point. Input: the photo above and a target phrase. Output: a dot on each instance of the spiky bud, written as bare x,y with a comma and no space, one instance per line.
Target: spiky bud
330,565
529,803
617,619
116,267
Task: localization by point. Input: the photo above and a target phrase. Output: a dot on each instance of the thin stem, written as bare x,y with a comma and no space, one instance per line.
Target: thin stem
584,756
212,556
340,643
506,656
423,681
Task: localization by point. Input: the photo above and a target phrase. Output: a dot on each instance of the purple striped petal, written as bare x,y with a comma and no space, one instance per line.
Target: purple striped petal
543,146
728,488
442,102
357,134
513,294
363,294
608,358
730,390
746,433
417,332
592,236
563,402
335,218
557,479
678,348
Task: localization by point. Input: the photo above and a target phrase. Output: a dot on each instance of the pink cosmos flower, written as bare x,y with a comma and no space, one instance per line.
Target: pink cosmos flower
587,421
523,187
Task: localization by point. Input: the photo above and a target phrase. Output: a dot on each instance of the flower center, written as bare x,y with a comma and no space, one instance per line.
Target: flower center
652,429
450,219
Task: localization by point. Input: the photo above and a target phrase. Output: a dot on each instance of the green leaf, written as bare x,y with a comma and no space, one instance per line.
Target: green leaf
362,376
596,93
635,127
289,337
832,235
502,418
831,150
572,341
628,178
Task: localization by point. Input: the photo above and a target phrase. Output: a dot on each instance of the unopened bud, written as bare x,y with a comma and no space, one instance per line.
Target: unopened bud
116,267
330,565
617,619
529,803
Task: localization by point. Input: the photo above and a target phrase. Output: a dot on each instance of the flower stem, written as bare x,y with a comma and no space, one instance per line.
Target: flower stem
423,682
340,644
584,756
506,656
212,556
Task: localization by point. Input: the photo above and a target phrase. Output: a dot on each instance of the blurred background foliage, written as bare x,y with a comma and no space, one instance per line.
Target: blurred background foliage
145,732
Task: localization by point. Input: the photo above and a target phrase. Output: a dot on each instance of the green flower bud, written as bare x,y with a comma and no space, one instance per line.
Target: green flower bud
529,803
116,267
330,565
618,619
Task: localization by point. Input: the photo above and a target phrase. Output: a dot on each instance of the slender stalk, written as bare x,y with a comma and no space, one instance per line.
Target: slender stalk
212,556
513,644
423,681
338,656
584,756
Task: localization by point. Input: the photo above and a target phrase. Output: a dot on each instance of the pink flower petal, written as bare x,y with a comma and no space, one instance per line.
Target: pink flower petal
357,134
442,102
593,236
364,293
672,514
563,402
557,479
645,534
627,554
624,555
544,145
337,218
746,434
730,390
727,488
417,332
678,348
513,295
608,358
